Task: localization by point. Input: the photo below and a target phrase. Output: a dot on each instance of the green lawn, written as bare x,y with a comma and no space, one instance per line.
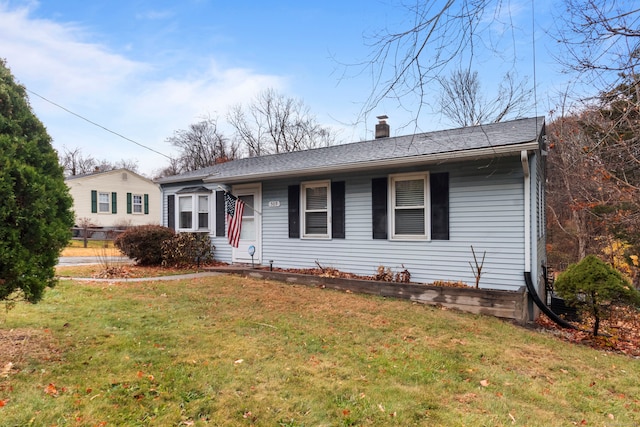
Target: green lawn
239,352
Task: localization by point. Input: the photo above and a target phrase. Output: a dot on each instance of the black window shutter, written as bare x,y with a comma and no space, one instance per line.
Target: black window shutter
129,202
440,206
337,210
114,203
171,211
146,204
220,214
379,207
294,211
94,201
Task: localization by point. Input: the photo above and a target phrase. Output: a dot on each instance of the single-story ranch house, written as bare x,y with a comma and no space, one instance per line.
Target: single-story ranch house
114,199
419,202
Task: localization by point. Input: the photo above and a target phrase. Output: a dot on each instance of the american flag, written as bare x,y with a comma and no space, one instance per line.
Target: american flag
234,208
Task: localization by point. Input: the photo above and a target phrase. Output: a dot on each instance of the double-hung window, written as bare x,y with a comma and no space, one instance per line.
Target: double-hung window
203,212
185,212
137,203
410,206
316,209
104,204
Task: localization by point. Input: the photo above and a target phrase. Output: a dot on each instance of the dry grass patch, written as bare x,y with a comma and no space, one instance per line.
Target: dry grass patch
233,351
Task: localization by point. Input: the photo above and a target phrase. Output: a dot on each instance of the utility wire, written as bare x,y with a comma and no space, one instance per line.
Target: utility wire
98,125
533,45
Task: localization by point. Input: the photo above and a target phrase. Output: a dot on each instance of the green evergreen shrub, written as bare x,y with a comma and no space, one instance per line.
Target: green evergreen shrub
595,288
143,243
35,205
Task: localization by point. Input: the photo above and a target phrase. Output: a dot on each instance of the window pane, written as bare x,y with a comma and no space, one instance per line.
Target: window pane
316,198
186,209
203,220
410,193
409,221
185,204
316,223
248,205
203,203
103,202
185,219
248,229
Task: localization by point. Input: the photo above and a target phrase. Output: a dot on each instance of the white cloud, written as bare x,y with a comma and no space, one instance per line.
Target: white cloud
60,61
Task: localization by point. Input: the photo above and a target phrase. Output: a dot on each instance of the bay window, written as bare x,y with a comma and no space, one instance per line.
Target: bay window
193,209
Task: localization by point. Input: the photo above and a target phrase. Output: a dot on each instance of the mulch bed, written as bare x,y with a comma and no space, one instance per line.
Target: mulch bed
619,334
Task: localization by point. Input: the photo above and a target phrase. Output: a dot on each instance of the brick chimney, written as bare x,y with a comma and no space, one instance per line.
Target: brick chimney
382,128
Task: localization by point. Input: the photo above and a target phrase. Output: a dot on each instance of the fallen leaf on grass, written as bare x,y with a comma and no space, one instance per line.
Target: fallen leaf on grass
51,390
484,383
3,403
7,368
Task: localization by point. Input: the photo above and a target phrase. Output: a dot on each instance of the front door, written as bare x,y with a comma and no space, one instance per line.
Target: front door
250,231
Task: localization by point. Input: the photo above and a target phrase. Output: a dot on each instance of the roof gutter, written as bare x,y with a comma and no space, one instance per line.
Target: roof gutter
477,154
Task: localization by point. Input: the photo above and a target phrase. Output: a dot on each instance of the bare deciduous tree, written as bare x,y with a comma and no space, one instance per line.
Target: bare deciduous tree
463,103
600,38
571,191
274,124
74,163
201,145
405,64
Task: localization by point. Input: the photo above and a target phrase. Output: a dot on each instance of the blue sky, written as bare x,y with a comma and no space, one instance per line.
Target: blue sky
145,69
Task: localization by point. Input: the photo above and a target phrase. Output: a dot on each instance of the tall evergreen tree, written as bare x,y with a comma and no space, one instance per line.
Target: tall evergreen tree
35,212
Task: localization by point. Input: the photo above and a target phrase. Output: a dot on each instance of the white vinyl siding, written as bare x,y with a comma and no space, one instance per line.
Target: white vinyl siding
110,183
316,207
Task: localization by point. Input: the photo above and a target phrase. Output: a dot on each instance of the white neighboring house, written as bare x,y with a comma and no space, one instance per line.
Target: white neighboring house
115,199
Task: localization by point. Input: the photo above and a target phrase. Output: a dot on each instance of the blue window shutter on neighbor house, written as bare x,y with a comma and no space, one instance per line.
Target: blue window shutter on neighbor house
146,204
294,211
129,203
337,210
171,212
94,201
440,206
379,207
114,203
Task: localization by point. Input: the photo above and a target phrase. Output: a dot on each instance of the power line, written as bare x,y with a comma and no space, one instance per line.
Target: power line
98,125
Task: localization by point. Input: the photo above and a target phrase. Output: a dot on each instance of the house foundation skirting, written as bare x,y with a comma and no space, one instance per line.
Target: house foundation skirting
510,305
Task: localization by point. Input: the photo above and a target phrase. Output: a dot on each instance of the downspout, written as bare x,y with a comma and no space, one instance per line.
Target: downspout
524,158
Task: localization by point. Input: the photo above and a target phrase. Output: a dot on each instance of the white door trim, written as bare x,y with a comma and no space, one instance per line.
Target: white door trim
241,254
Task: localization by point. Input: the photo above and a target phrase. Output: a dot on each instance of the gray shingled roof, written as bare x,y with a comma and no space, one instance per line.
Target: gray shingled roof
470,142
